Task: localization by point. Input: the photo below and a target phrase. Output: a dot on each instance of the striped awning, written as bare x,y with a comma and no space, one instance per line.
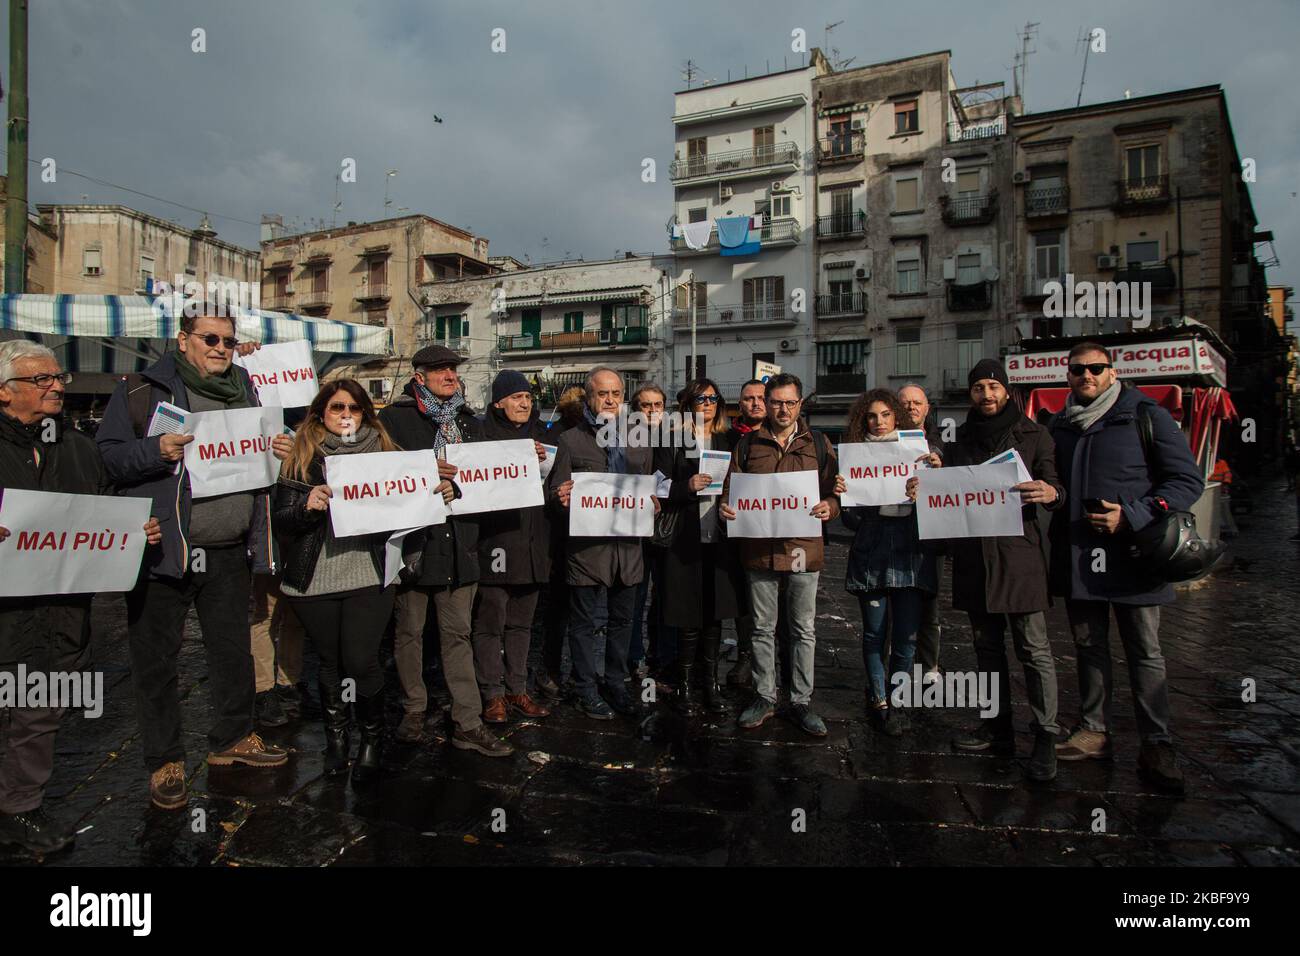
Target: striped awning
621,294
845,108
841,264
121,334
841,353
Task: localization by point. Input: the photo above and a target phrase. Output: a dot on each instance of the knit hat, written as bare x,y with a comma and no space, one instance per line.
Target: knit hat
987,368
507,383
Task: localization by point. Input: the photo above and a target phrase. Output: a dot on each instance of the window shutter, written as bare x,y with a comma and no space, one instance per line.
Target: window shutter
606,316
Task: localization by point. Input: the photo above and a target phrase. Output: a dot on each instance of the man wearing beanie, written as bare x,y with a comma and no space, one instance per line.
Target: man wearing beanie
1002,582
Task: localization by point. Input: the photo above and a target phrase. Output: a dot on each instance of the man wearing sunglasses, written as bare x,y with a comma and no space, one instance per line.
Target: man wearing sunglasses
1113,487
204,562
49,634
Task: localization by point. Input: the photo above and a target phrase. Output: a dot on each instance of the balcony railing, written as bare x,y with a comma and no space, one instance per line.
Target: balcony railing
841,147
587,339
841,304
775,232
1047,200
1161,276
975,297
841,383
738,161
278,303
842,225
977,129
1142,191
714,315
374,291
314,299
968,210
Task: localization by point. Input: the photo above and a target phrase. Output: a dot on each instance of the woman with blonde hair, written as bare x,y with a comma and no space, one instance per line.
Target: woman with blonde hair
336,585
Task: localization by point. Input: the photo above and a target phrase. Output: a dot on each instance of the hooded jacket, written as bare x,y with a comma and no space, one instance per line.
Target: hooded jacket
136,469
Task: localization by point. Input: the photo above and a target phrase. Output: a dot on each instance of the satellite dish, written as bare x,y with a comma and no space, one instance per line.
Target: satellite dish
990,273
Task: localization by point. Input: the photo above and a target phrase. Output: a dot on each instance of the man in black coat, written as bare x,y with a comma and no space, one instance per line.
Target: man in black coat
431,413
1002,582
1116,485
45,634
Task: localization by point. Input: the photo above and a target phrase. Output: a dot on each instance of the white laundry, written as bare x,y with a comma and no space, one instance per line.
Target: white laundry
697,234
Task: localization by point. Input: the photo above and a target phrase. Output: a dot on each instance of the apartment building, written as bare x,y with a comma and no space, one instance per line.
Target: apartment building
369,273
38,277
554,322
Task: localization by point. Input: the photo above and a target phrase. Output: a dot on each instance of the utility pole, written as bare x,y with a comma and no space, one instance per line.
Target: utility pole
16,202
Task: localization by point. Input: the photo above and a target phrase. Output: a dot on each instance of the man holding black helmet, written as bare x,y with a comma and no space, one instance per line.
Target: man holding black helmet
1124,464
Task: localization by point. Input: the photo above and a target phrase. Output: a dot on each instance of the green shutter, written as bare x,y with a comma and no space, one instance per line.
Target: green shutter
606,316
440,327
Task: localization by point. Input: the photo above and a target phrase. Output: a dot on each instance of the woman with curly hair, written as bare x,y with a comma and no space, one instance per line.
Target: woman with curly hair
890,569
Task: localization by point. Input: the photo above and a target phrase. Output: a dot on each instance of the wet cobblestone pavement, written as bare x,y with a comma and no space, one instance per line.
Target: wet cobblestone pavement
580,791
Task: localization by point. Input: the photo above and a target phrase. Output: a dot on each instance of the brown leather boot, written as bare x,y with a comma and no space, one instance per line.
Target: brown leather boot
251,752
525,706
495,711
167,786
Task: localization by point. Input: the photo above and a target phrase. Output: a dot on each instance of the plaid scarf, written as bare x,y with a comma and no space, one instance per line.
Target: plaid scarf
442,414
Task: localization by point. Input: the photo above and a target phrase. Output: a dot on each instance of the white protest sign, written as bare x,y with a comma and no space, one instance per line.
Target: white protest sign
70,544
775,506
969,501
496,475
393,554
1022,473
612,506
715,464
550,459
231,450
383,491
284,374
876,473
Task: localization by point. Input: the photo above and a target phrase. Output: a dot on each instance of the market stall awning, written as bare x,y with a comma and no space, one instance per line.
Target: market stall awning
121,334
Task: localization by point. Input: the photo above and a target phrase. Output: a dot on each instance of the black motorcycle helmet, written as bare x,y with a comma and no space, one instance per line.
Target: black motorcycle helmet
1172,549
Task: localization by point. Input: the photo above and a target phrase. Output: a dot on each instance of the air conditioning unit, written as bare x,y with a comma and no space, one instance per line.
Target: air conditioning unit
288,290
863,272
607,337
950,269
1107,262
1021,176
789,345
858,125
725,193
779,187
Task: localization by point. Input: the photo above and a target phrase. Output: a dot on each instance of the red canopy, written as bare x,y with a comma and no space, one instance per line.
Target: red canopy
1169,397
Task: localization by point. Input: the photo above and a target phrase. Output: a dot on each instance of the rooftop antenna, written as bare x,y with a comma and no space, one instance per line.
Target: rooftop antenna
1086,40
836,62
689,71
338,202
1031,31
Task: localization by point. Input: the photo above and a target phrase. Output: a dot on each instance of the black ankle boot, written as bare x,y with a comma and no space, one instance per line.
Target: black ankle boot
335,713
687,642
1042,762
370,717
742,672
710,646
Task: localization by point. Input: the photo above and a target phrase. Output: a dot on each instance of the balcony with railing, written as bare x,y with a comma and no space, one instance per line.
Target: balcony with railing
761,313
977,130
844,147
633,336
1161,275
281,302
841,383
970,297
1047,200
314,299
1143,192
842,225
736,163
843,305
775,232
458,345
968,210
373,292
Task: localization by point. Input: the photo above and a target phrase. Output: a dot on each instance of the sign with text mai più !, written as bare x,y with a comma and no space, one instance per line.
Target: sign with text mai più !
383,491
969,501
876,472
612,506
774,506
284,373
231,450
496,475
70,544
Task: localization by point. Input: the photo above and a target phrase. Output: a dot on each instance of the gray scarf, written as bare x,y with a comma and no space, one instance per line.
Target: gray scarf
365,439
890,511
1084,417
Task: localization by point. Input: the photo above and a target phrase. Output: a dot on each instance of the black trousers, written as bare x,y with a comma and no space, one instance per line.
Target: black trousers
346,629
155,620
502,634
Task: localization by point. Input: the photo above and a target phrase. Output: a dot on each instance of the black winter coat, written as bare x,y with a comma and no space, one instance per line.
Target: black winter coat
522,535
450,556
301,534
47,632
1005,575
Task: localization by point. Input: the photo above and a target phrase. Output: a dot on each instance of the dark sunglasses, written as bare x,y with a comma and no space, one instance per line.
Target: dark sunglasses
706,399
1096,368
338,408
211,339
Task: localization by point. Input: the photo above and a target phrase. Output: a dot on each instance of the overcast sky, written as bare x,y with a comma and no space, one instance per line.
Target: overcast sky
540,147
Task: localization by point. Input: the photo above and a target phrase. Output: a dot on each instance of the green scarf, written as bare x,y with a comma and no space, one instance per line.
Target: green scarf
227,388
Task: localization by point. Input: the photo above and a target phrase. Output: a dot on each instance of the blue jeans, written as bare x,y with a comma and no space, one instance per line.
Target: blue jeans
904,606
584,607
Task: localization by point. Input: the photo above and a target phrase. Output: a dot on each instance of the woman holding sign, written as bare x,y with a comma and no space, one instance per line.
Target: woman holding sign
890,569
702,579
336,585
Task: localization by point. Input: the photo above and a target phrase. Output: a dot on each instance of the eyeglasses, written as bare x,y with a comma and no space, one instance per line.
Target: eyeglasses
1096,368
43,381
211,339
776,404
338,408
706,399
